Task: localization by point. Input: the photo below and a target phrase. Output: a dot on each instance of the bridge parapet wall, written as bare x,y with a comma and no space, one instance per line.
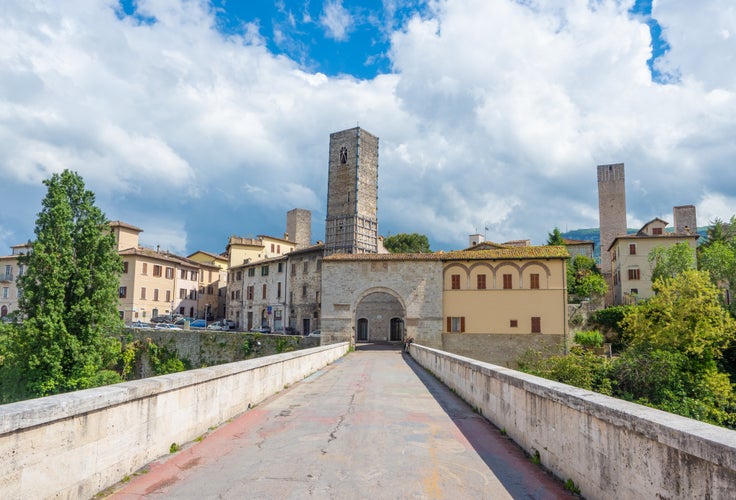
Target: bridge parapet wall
608,447
77,444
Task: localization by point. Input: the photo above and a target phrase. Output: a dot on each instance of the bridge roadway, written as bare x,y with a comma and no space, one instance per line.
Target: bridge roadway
374,424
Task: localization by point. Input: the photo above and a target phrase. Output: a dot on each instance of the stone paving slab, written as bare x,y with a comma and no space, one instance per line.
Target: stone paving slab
372,425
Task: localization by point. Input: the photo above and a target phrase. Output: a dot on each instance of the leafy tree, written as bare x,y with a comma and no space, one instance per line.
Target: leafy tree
69,301
555,237
685,315
668,262
583,278
720,232
407,243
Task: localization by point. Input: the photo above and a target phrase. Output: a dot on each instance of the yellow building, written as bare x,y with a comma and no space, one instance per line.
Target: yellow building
10,271
212,283
630,267
154,282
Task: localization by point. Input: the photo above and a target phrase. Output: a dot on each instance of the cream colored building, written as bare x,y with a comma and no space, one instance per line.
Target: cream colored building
212,283
154,282
490,304
630,267
10,271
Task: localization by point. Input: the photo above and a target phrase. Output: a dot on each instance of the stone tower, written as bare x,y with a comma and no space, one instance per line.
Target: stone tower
352,193
299,227
685,220
611,211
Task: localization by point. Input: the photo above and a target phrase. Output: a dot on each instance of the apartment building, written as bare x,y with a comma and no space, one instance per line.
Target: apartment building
305,288
258,295
629,257
10,270
212,284
154,282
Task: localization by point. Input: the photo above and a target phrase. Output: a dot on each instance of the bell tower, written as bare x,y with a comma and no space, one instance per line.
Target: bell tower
352,193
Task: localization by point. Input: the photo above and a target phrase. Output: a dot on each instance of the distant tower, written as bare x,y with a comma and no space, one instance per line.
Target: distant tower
685,221
611,211
352,193
299,227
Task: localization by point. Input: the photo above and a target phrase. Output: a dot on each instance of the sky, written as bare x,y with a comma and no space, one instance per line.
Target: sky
196,120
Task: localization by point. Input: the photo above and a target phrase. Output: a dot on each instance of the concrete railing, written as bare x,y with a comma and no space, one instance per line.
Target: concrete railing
77,444
610,448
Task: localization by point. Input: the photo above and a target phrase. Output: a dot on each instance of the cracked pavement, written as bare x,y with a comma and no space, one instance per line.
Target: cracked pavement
373,425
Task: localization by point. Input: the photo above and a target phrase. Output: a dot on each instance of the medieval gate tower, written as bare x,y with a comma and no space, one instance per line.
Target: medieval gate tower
611,211
352,193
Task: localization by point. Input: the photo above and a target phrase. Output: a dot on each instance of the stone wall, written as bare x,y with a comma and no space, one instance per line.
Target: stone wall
501,349
417,285
608,447
77,444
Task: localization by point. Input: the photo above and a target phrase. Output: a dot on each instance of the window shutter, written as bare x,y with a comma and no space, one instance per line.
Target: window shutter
462,324
449,324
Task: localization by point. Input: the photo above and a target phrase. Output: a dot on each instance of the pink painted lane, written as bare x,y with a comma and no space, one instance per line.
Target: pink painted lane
374,424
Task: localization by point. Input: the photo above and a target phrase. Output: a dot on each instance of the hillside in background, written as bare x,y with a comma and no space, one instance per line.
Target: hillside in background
594,234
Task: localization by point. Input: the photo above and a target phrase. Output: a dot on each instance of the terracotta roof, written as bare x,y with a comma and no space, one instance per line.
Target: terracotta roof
114,223
209,254
538,252
169,257
485,245
568,241
310,248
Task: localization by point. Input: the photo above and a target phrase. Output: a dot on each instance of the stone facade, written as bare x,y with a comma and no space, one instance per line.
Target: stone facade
356,289
299,227
685,219
305,288
611,212
352,193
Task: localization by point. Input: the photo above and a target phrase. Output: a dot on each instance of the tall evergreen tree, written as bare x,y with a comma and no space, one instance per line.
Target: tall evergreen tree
555,237
69,301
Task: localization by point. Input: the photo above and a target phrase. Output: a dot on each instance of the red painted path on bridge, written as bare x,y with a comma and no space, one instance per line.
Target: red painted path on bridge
374,424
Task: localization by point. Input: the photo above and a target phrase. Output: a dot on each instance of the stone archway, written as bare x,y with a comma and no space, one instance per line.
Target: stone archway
377,316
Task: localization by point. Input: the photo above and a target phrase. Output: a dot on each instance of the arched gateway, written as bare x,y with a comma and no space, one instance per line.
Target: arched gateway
379,317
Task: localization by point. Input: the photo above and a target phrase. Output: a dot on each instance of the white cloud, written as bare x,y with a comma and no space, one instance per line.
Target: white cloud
336,20
497,113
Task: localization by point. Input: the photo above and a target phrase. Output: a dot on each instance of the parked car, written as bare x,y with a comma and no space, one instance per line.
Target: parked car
232,325
198,323
140,324
182,319
216,326
166,326
315,333
263,329
160,319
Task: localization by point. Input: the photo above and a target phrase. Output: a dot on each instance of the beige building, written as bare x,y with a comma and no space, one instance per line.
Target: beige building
10,271
154,282
629,257
490,304
212,283
258,295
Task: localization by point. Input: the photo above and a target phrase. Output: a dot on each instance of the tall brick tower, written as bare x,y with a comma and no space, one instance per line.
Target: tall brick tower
352,193
611,211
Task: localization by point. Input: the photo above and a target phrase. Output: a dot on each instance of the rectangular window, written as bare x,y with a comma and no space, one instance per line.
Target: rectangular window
182,293
156,270
634,274
632,248
183,274
634,291
481,282
249,292
168,295
281,267
143,293
278,248
534,281
306,267
293,269
272,248
656,230
514,323
264,291
278,290
145,268
455,282
536,324
304,290
209,290
170,273
155,294
264,270
192,294
232,295
507,281
21,269
252,271
237,294
239,276
125,268
6,291
193,275
456,324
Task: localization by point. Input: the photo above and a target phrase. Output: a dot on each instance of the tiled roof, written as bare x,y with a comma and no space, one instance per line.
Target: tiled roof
115,223
539,252
169,257
644,236
209,254
310,248
568,241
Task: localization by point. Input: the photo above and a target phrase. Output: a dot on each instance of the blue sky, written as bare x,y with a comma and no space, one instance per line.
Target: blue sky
196,120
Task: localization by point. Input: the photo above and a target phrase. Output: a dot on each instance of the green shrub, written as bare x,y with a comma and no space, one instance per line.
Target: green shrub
590,339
